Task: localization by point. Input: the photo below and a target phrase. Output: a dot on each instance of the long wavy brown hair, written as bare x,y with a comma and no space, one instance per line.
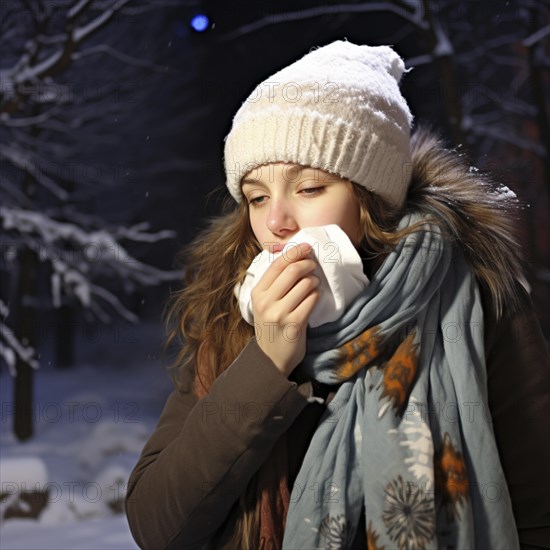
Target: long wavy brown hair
204,321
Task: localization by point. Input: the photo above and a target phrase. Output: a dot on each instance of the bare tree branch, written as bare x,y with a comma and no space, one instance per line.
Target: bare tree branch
318,11
81,33
23,160
536,36
503,134
121,56
78,9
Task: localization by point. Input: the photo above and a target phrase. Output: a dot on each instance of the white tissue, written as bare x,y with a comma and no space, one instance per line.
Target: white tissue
340,271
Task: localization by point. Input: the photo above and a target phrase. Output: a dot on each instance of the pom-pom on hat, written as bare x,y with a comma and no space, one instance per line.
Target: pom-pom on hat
338,108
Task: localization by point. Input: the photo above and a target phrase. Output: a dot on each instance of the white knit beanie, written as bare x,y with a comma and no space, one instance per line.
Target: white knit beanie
338,108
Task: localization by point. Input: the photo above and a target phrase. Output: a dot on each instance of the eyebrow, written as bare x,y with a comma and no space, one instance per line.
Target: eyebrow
250,180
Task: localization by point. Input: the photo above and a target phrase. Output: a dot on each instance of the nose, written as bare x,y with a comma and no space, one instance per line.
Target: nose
281,220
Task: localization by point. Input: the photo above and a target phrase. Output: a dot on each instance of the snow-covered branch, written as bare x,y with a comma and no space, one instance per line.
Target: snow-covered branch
80,33
136,233
20,122
35,64
22,159
10,346
78,8
78,257
537,36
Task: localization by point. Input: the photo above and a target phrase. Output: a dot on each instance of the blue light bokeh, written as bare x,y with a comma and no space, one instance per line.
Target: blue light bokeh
200,22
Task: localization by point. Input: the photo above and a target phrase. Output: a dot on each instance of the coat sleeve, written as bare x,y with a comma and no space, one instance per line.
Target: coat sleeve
518,372
203,452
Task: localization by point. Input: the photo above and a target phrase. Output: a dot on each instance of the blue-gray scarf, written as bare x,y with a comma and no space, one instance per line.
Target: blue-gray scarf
408,434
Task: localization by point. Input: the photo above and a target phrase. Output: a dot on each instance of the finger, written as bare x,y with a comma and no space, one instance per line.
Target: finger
292,274
296,295
302,313
281,263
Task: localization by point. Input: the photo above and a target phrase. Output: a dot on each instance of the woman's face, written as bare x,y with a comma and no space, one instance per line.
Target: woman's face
284,198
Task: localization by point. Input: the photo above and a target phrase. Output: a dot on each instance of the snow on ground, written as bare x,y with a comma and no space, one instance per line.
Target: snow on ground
93,534
91,423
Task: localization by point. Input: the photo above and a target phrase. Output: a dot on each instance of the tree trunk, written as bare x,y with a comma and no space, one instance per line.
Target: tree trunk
447,78
64,330
26,324
25,317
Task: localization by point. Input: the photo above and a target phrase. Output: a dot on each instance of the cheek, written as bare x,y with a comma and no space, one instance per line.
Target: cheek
350,222
254,225
258,226
340,212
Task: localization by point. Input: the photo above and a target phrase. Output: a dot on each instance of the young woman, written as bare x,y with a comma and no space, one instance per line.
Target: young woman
418,417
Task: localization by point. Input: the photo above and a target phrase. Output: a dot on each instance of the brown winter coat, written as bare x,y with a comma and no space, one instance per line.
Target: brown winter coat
183,492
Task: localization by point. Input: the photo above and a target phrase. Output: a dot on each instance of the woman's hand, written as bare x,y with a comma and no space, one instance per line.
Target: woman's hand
282,302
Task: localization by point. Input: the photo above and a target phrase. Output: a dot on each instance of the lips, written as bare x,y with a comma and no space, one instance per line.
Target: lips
277,248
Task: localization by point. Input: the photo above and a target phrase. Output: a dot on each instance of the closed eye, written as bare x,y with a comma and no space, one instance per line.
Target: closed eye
312,191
